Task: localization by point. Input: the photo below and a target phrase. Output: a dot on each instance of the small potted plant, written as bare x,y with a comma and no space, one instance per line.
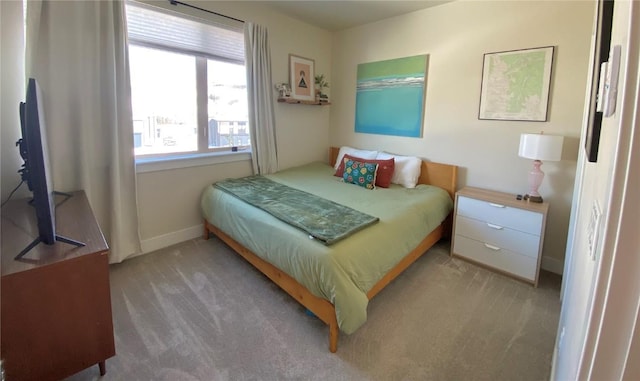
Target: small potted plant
321,84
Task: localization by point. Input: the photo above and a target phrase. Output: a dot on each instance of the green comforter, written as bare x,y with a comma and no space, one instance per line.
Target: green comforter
344,272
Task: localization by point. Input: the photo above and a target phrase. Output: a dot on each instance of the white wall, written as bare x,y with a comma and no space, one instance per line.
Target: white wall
169,200
12,93
455,36
599,314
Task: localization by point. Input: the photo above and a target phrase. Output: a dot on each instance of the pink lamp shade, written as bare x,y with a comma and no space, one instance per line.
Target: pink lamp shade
539,147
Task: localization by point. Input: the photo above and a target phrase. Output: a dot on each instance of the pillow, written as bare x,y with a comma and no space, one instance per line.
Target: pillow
364,154
384,174
359,173
407,169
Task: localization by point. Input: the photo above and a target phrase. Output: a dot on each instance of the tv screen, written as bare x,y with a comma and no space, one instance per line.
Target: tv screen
37,163
36,170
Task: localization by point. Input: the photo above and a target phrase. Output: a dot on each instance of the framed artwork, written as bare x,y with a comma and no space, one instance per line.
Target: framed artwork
515,85
302,78
603,44
390,96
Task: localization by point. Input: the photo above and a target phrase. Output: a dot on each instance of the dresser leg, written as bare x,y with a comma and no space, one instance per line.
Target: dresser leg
103,368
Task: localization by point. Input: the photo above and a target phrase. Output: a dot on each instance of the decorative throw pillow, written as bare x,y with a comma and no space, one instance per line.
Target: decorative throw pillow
369,155
359,173
407,169
384,174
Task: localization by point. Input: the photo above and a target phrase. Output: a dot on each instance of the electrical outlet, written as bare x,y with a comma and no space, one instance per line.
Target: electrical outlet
593,228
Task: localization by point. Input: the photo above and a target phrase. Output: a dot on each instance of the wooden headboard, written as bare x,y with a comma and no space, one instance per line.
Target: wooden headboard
441,175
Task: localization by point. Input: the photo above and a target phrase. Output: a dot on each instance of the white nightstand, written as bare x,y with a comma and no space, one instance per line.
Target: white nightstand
495,230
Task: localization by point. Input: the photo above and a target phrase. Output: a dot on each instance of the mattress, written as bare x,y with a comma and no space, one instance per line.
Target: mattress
344,272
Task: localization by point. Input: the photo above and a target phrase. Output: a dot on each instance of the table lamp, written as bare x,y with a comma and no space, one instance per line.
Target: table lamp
539,147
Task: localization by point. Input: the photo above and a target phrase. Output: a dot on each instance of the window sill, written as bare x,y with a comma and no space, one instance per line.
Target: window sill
155,164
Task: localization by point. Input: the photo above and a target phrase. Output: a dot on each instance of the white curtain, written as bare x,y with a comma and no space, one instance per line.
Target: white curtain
77,51
261,116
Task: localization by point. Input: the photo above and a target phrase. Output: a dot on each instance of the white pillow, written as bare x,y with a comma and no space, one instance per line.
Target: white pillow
362,154
407,169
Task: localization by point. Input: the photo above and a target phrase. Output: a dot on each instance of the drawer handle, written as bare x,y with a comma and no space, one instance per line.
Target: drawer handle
497,227
496,205
496,248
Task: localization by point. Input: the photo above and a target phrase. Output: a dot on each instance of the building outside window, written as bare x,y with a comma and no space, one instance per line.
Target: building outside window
189,93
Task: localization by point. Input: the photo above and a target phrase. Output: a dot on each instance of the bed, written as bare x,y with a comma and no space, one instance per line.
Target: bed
336,281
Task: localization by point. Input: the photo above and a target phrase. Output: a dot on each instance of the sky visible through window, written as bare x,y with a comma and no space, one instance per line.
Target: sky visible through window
164,101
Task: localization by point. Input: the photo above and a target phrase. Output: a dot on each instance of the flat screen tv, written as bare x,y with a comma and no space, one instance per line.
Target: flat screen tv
36,169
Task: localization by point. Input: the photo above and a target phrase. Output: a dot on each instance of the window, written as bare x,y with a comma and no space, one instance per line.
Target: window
227,105
188,84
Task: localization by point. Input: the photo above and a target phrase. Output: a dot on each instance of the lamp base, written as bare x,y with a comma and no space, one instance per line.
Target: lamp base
536,199
535,179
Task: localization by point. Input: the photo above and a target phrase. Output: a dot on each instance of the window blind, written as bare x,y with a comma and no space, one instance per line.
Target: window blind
216,36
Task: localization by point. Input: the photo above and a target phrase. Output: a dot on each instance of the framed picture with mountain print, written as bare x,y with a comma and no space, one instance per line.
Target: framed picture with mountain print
516,84
301,77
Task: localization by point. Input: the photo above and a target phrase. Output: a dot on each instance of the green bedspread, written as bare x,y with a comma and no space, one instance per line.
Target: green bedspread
344,272
322,219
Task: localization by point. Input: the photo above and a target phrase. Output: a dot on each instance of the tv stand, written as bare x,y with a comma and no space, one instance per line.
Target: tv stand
58,238
55,314
36,241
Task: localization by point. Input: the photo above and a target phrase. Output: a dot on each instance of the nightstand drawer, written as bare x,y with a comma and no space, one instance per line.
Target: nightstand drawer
499,214
496,235
496,257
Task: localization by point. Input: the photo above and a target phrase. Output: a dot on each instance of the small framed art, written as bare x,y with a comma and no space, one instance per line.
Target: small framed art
515,85
301,77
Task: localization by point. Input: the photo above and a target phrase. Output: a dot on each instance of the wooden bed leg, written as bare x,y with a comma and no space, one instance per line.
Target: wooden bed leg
333,338
206,231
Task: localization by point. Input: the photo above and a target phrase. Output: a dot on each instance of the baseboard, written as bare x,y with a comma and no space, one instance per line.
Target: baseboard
169,239
553,265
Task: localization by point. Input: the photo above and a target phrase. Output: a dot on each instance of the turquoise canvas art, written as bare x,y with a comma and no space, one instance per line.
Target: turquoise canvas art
390,96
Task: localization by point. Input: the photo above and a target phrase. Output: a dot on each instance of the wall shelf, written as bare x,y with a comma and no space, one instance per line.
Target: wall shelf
301,102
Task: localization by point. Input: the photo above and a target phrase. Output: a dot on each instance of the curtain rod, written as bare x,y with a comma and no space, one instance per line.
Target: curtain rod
176,2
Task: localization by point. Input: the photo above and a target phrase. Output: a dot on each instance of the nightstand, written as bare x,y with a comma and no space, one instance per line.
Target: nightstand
497,231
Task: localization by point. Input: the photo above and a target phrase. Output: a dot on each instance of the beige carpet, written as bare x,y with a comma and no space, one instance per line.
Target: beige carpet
197,311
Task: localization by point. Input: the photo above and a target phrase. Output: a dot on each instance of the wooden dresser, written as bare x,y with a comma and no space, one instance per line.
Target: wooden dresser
56,302
495,230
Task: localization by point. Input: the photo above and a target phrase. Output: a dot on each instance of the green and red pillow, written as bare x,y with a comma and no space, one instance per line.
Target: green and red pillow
359,173
383,175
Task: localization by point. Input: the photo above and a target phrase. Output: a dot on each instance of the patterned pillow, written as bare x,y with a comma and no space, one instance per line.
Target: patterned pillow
384,174
359,173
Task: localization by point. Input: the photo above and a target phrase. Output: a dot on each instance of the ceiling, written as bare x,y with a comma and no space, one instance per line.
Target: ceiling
338,15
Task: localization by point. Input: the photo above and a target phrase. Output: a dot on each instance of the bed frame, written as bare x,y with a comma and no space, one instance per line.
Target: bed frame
441,175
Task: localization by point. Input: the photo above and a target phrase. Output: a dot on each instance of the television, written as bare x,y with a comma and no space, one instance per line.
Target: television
36,169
